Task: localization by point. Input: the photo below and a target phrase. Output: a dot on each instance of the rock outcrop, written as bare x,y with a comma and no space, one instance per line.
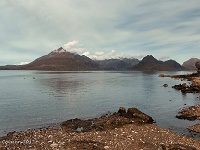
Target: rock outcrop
189,113
187,88
108,121
194,128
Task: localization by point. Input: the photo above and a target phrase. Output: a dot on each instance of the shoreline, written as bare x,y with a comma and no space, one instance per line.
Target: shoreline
193,112
130,129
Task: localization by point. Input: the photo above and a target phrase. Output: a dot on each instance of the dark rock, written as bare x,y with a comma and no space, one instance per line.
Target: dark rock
11,133
161,75
165,85
110,122
135,113
184,85
177,87
185,116
122,111
187,89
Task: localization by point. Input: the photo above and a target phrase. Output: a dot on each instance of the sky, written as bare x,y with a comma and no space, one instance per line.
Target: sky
99,29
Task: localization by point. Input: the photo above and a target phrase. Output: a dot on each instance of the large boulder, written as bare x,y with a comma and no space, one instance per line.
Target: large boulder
137,114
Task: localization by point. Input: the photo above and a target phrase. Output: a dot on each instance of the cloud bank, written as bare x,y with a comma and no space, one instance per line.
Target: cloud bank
30,29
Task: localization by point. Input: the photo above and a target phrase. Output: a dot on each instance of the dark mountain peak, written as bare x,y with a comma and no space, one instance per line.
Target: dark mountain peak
170,60
149,58
149,63
59,50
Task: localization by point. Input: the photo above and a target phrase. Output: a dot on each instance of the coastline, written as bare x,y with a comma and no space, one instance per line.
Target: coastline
122,130
193,112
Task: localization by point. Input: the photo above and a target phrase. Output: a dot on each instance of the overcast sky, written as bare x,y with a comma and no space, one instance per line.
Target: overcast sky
99,28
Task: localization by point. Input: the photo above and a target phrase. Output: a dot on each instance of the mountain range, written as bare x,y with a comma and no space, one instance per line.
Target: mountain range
62,60
118,64
149,63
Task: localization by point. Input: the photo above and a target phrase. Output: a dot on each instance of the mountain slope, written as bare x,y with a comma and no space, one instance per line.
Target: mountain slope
61,60
174,64
117,64
190,64
149,63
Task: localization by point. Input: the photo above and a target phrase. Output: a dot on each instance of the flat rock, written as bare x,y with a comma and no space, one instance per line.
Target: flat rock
189,113
194,128
137,114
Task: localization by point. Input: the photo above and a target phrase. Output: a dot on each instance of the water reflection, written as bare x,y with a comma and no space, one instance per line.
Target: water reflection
61,84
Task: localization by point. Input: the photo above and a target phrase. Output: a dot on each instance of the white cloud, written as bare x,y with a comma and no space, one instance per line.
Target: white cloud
23,63
74,47
86,53
70,45
99,53
164,58
113,54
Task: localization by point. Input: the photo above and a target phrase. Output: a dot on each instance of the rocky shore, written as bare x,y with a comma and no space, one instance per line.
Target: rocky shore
193,112
130,129
190,113
194,78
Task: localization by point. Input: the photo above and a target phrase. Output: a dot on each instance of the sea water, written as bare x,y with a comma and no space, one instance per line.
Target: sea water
33,99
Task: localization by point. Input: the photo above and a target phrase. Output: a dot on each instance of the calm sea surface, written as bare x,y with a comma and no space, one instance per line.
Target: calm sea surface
32,99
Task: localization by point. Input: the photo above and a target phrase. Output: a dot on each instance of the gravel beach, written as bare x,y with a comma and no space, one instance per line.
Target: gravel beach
132,133
131,136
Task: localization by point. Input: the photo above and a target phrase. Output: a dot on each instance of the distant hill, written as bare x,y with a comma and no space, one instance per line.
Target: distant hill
117,64
173,64
149,63
58,60
10,67
61,60
190,64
